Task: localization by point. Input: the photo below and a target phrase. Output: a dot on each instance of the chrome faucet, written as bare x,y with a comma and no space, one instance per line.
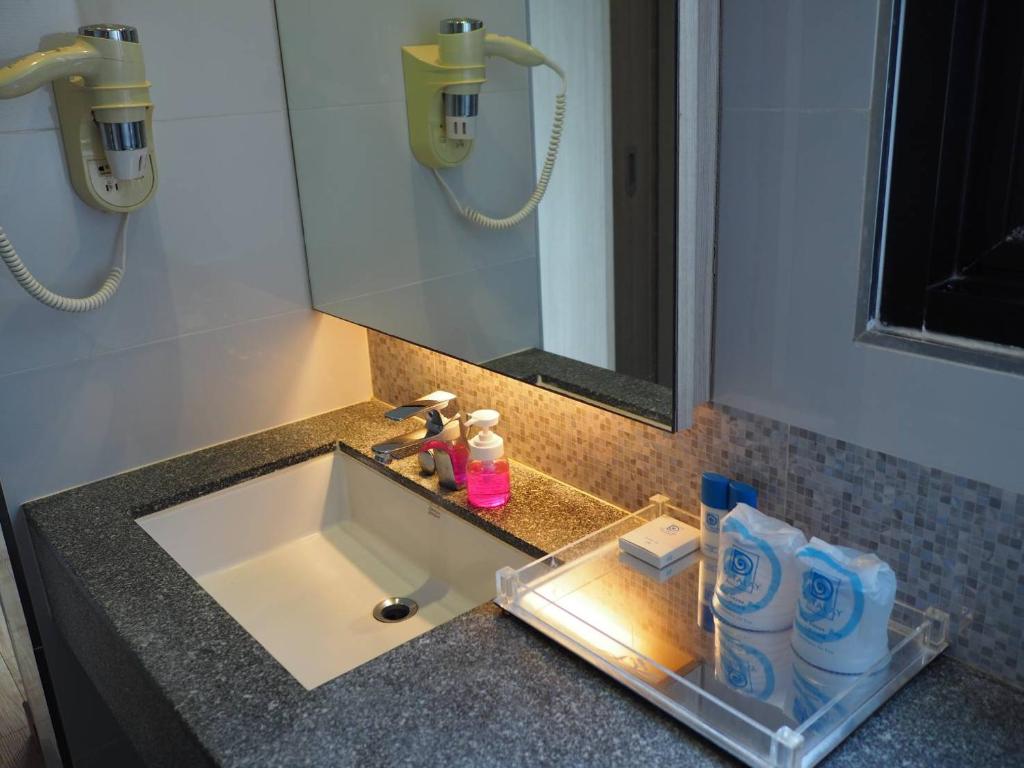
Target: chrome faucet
443,426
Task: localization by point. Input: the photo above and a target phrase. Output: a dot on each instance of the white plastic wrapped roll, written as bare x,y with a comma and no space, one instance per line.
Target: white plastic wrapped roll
846,597
758,577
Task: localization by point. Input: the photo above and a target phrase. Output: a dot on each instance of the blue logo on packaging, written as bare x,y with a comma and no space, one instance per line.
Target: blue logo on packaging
736,671
740,569
712,521
820,617
745,666
818,596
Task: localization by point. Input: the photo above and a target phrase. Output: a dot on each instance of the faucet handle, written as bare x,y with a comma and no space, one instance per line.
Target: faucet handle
444,402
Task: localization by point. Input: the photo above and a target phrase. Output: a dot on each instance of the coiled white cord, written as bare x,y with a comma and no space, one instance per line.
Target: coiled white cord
517,218
40,292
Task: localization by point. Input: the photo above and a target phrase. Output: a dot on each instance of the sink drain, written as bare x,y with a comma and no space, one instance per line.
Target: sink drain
395,609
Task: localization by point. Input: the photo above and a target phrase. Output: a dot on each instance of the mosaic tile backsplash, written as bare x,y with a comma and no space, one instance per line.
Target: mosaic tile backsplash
953,542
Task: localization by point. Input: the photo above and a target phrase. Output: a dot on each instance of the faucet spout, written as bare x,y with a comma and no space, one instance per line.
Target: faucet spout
444,403
415,441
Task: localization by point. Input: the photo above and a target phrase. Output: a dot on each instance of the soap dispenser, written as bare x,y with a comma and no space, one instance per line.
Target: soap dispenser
487,475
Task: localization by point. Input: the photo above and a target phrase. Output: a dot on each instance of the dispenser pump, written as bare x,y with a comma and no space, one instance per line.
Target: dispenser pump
487,474
486,445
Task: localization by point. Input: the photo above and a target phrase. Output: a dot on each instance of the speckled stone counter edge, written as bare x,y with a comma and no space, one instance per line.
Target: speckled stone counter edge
543,514
129,611
181,673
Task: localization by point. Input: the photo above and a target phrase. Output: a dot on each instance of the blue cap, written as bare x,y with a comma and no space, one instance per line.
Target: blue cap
714,490
741,493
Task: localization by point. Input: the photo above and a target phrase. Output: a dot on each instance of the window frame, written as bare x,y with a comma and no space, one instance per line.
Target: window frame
869,328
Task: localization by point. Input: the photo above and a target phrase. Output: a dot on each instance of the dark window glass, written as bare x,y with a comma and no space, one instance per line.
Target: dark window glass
953,245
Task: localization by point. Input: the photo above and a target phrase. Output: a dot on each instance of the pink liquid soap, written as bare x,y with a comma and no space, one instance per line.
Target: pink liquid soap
459,455
487,483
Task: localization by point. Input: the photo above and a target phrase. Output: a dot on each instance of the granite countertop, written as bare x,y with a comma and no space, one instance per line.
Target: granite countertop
191,687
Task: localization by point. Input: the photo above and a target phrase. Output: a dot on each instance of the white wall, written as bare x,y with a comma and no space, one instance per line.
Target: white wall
211,335
385,247
574,223
796,92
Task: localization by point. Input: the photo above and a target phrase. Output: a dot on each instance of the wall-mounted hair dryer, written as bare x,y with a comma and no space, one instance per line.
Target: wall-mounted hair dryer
106,122
442,87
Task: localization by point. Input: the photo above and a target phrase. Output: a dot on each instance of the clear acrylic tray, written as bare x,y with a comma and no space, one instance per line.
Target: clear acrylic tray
654,632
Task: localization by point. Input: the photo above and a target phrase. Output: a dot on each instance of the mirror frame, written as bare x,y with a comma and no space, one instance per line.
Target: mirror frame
697,80
697,194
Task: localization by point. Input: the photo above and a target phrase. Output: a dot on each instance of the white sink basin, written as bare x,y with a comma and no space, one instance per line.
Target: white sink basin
300,558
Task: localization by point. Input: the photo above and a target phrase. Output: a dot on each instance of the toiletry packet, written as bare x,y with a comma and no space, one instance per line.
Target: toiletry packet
756,664
845,601
758,578
661,541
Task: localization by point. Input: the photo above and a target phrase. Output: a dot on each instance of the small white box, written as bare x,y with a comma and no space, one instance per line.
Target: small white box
661,541
660,575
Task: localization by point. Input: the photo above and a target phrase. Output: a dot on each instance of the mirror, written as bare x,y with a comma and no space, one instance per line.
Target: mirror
399,123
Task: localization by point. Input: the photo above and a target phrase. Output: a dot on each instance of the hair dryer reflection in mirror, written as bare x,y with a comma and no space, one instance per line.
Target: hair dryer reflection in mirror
445,77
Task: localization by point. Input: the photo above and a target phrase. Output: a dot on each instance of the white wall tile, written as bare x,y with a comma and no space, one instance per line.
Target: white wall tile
203,58
342,53
221,243
486,322
68,246
376,219
211,335
24,22
87,419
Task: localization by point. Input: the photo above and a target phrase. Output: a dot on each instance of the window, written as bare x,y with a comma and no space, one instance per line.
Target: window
950,252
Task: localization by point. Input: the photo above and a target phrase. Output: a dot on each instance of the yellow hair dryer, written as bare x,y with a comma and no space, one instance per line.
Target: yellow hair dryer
442,87
104,109
106,122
